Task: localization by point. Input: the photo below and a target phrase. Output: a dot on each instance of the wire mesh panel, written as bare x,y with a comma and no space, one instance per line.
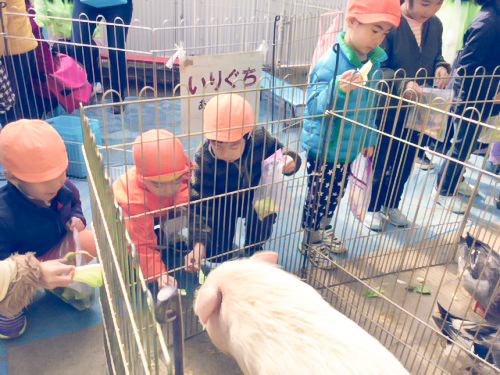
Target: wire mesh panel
403,281
133,339
387,276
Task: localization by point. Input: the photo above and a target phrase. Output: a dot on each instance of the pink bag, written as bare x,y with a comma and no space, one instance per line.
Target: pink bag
326,40
360,181
68,83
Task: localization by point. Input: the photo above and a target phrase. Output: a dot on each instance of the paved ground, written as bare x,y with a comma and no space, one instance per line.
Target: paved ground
60,340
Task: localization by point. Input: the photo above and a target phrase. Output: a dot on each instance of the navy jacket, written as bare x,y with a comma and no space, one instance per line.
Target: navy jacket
404,53
481,49
212,177
26,227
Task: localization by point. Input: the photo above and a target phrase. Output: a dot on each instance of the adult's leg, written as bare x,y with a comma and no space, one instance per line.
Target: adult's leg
83,29
23,72
465,142
121,17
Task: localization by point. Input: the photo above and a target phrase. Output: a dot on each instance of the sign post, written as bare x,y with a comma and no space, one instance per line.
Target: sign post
210,75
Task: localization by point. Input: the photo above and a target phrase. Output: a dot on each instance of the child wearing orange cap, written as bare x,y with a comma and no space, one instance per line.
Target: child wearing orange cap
414,59
153,193
227,165
333,143
38,207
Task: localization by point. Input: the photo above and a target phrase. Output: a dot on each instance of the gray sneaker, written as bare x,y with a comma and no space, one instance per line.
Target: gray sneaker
374,221
318,255
395,217
329,239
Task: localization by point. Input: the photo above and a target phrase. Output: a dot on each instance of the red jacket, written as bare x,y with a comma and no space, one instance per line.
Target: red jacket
136,201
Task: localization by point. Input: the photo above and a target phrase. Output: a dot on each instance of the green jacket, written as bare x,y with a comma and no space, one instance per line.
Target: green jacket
61,9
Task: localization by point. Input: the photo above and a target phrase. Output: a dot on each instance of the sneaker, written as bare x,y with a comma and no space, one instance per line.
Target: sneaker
118,109
374,221
11,328
97,88
490,167
453,203
395,217
318,255
465,189
424,163
328,239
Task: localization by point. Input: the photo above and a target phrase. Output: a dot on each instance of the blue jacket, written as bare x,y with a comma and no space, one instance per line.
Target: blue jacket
26,227
480,55
347,138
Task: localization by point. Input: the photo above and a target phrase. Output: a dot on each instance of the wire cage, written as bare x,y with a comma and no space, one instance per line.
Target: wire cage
375,281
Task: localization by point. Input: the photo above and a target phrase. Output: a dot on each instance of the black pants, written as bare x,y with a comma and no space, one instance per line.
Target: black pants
464,144
393,162
225,213
117,37
23,71
326,185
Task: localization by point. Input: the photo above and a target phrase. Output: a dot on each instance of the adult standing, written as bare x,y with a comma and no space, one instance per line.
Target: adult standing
17,52
118,17
476,84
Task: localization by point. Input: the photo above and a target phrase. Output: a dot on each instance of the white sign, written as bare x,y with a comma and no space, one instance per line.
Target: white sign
216,74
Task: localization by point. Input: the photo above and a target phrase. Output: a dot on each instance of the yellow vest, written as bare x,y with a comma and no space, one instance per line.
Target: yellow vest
20,36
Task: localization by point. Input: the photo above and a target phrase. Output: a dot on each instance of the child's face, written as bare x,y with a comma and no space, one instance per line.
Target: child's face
228,151
43,191
422,10
164,188
364,38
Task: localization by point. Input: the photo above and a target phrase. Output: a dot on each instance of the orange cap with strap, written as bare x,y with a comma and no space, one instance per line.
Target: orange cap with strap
370,11
159,156
33,151
227,118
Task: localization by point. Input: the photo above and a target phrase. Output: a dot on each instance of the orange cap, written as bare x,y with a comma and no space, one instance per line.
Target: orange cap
33,151
374,11
227,118
159,156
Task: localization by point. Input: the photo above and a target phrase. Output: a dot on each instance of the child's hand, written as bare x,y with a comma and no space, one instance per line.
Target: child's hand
368,152
194,258
351,76
442,77
56,273
411,89
289,165
77,223
165,280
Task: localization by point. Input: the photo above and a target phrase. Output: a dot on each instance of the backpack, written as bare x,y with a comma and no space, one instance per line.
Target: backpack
61,77
68,83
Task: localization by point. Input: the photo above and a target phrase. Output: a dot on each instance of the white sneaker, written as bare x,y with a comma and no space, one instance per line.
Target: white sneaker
465,189
453,203
395,217
374,221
